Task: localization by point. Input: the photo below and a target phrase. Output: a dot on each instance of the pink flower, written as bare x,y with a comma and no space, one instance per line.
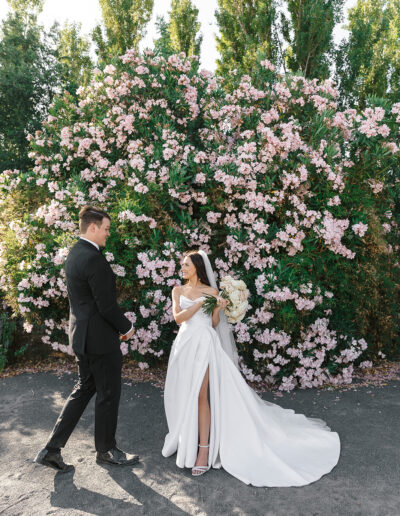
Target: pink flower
60,256
200,178
109,69
268,65
124,348
131,316
213,217
118,270
360,229
145,312
141,188
28,327
376,186
365,365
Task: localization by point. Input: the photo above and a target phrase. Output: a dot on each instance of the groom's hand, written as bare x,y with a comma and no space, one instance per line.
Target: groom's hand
128,335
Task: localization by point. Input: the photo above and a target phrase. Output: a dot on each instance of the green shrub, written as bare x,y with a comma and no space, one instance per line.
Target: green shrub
7,331
285,191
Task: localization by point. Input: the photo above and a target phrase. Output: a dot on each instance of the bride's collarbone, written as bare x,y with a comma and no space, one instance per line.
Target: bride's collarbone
194,295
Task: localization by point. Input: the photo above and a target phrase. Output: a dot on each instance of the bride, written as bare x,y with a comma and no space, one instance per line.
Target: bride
214,418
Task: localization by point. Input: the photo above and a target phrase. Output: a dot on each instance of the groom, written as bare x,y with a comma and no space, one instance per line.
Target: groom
95,327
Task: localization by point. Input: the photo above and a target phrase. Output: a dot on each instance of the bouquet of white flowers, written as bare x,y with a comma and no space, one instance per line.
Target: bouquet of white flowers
235,291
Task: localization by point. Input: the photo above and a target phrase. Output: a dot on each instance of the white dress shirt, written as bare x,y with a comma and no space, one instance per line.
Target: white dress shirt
93,243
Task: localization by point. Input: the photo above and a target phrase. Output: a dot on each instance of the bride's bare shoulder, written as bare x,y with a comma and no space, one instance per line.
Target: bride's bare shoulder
211,291
177,290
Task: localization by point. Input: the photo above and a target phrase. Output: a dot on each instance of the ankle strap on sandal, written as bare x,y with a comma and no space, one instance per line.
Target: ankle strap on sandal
204,446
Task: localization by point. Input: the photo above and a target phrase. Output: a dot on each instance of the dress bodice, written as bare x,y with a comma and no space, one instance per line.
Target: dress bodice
199,317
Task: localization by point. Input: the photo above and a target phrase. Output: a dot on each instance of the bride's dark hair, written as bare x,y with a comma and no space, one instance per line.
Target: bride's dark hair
198,262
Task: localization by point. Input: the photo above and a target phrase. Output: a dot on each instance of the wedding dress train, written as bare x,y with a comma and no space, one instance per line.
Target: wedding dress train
258,442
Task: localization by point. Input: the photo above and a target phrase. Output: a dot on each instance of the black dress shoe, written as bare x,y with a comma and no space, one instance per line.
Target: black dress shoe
116,457
53,460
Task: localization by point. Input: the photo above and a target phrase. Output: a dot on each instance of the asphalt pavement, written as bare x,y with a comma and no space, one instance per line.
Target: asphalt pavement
366,480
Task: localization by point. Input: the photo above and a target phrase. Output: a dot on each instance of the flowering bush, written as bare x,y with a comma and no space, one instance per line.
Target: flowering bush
286,192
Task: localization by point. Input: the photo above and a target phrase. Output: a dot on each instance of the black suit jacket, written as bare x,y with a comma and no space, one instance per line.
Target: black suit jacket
95,317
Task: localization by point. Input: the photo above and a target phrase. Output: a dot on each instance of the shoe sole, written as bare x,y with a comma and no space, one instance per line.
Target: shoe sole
127,463
51,465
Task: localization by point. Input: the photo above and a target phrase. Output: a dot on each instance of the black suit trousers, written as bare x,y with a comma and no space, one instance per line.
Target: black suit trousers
100,375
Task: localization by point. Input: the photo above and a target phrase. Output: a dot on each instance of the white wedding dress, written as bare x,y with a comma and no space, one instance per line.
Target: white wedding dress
258,442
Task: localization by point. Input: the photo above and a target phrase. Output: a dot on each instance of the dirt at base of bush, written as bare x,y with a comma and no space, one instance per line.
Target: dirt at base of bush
60,364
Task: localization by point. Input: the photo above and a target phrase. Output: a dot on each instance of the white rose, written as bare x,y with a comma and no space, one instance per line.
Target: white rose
234,320
226,282
234,297
240,309
242,296
233,313
226,279
243,306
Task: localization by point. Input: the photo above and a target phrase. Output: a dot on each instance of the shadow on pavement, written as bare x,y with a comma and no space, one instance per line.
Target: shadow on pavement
27,411
365,482
67,496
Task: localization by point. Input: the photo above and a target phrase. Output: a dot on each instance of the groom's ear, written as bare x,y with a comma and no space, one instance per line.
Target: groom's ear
92,227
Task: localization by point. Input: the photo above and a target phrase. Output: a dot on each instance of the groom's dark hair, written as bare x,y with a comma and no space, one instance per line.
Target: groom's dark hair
89,215
198,262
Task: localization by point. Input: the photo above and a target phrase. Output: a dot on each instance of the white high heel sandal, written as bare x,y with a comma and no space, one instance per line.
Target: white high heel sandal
197,471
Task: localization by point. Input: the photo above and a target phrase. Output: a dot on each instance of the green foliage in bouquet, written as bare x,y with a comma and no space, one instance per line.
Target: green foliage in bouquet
209,304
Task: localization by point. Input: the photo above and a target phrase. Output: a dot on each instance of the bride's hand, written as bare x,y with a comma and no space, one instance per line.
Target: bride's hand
222,303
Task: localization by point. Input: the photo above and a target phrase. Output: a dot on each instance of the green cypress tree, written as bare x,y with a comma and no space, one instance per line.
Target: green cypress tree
28,80
123,27
246,32
163,45
26,7
368,63
73,57
183,27
309,34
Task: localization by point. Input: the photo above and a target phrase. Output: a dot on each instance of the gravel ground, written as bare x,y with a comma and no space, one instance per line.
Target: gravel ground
365,482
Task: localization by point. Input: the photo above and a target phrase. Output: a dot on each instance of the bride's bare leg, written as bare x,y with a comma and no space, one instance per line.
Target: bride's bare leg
204,421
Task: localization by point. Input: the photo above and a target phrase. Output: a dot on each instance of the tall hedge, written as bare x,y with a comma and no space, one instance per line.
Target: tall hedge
286,192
